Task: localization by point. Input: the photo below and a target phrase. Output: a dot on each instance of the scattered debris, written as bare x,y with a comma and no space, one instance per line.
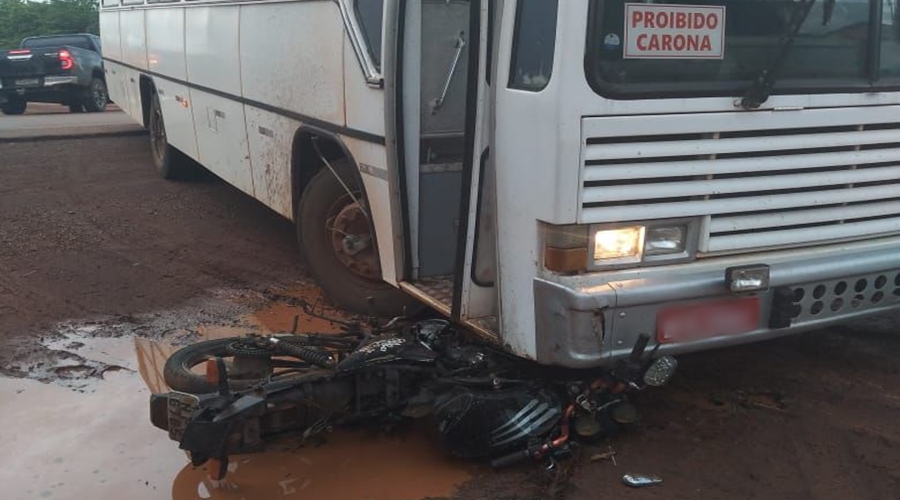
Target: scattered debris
641,480
748,399
767,400
610,455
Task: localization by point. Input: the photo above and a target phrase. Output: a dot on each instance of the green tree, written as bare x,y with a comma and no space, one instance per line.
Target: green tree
22,18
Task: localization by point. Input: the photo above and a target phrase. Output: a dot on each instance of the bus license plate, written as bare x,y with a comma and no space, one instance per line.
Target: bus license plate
707,320
28,82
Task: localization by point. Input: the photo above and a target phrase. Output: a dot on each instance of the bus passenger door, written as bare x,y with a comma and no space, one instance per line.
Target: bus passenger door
474,292
449,216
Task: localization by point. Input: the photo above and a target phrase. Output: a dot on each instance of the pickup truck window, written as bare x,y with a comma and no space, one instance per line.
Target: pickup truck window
82,42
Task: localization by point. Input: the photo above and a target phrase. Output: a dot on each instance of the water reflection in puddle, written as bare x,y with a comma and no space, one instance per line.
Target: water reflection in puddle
350,465
61,444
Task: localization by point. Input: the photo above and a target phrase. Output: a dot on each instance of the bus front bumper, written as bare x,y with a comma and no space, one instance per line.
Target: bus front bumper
592,320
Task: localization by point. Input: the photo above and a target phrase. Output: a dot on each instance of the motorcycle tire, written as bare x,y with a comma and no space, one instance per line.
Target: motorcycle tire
177,371
178,374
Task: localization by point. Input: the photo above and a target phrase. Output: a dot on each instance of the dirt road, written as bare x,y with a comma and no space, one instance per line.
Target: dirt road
86,228
94,247
53,120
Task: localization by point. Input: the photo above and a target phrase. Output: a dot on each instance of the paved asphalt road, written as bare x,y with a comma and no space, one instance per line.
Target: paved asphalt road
50,120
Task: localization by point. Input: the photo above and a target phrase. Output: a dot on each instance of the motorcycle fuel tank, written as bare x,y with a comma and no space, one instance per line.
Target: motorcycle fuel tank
484,423
386,351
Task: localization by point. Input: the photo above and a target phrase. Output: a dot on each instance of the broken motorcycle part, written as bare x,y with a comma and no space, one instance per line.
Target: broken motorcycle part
641,480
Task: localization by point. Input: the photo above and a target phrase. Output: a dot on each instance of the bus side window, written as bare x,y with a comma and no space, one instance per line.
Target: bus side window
534,41
371,14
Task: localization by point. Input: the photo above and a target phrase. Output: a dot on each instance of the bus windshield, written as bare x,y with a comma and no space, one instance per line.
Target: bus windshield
717,47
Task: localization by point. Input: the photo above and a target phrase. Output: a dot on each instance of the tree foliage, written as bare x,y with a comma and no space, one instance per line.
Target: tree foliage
22,18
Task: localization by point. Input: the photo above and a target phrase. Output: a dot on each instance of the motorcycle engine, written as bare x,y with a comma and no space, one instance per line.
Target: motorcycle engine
479,423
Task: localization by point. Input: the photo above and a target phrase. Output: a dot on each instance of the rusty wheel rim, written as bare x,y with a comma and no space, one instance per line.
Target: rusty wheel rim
351,238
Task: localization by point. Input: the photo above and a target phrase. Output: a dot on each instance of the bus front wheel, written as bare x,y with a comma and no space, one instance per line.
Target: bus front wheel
336,237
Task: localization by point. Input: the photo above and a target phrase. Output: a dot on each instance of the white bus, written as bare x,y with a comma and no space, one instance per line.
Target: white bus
560,177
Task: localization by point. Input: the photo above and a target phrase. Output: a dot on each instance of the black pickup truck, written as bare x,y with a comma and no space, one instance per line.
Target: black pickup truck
62,69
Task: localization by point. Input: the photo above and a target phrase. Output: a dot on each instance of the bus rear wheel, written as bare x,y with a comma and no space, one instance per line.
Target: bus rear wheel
337,240
169,162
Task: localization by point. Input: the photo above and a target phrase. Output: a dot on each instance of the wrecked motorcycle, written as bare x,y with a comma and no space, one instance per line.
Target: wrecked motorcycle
482,401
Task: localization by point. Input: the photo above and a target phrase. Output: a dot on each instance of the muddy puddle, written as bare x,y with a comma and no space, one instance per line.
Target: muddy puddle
86,433
91,443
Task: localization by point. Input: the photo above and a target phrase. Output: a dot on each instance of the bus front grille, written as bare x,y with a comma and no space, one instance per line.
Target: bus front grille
755,180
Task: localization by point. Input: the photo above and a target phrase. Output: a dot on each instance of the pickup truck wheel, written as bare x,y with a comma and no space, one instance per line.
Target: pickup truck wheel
336,238
14,105
97,96
169,162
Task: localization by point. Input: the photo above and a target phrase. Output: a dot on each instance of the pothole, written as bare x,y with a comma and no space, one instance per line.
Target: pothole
74,353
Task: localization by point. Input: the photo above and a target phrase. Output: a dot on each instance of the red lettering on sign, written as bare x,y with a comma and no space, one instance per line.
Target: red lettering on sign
673,31
662,20
693,42
697,20
642,42
666,42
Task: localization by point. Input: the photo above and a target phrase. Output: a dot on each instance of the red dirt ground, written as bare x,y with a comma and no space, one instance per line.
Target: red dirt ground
87,229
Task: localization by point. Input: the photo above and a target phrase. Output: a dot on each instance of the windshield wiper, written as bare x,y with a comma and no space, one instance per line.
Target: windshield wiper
762,85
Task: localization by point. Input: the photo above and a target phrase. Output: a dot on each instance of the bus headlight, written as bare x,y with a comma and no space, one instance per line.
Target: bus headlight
619,246
580,248
662,240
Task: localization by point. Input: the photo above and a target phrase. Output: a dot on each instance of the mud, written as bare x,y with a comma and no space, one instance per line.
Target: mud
104,270
88,231
348,465
77,434
65,444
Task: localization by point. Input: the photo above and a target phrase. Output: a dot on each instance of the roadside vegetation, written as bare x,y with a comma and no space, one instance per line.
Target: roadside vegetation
22,18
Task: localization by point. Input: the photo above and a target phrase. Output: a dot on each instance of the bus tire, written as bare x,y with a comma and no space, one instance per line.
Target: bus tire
169,162
14,105
349,284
